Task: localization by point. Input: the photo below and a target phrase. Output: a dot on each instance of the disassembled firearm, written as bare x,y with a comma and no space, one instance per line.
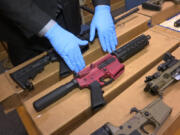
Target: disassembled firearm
156,4
27,73
97,75
154,114
24,75
168,72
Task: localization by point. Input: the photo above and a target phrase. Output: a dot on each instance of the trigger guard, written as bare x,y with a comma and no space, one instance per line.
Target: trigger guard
106,83
148,122
142,128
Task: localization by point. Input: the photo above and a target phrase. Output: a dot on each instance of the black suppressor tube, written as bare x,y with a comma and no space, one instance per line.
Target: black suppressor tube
53,96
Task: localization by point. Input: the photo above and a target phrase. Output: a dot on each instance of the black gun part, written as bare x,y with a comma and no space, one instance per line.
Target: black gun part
154,5
156,83
177,23
126,15
132,48
53,96
24,75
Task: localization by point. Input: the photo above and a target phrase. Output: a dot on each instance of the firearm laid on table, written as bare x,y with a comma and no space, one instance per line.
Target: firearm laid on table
97,75
168,73
156,5
24,75
154,114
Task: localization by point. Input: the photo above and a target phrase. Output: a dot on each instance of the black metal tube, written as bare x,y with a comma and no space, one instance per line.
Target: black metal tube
126,15
53,96
131,48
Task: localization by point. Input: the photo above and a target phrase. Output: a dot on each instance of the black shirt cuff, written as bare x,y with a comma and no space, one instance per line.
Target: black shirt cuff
101,2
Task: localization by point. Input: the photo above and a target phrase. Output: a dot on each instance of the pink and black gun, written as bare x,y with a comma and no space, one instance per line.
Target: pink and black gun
96,75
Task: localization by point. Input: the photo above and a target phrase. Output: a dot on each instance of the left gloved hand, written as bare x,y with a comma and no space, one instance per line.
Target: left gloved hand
103,22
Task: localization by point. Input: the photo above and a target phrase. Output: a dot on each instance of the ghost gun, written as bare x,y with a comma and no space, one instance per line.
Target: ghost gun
95,76
24,76
154,114
168,72
156,4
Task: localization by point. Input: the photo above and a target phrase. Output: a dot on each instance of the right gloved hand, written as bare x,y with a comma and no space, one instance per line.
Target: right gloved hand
67,45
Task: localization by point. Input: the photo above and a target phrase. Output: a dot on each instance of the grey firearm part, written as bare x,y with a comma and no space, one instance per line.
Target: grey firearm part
154,114
168,72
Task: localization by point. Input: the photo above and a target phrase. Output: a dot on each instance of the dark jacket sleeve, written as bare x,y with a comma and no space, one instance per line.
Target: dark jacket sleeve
25,14
101,2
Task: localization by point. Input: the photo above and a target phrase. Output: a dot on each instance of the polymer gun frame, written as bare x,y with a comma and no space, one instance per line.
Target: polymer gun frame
168,72
154,114
156,4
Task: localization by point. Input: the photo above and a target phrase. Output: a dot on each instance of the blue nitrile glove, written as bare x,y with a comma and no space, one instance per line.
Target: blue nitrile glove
103,22
67,45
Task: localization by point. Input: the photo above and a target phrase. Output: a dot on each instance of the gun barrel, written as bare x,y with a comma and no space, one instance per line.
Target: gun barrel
132,48
126,15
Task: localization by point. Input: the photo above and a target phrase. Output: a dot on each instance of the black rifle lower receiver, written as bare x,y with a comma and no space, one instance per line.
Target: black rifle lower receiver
156,5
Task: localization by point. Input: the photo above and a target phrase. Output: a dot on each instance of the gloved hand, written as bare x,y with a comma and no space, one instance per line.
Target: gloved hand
103,22
67,45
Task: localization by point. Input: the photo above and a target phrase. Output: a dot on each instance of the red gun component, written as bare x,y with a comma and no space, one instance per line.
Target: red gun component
108,68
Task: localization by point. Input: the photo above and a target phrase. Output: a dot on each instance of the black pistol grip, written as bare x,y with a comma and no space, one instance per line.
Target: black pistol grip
64,69
53,96
97,99
104,130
